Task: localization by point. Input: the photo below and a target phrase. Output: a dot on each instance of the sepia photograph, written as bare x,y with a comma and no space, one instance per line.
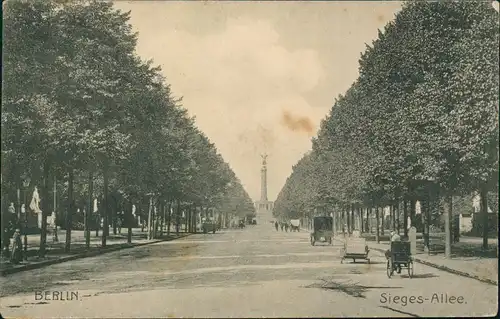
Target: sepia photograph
249,159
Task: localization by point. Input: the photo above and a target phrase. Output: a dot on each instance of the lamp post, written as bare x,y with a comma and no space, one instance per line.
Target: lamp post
56,239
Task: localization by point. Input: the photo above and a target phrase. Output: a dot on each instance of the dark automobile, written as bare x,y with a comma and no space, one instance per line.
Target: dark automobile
209,227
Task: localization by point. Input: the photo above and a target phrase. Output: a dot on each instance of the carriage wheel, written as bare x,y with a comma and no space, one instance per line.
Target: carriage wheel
390,269
410,269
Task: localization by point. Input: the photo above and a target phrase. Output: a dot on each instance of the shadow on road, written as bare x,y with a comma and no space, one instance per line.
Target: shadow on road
420,276
349,288
364,262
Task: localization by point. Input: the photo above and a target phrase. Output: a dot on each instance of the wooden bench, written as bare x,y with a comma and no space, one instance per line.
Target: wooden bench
436,246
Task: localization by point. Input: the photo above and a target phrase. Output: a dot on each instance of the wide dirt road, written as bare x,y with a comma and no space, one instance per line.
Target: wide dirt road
254,272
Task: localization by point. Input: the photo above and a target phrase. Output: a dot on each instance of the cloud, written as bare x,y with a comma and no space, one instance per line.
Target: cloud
246,91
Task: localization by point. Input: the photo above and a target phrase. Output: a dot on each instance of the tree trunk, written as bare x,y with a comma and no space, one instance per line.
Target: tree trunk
162,220
353,218
334,226
45,208
397,213
413,205
188,219
425,206
484,214
18,198
348,221
4,246
368,220
360,218
169,217
393,217
130,220
447,225
342,221
155,220
150,213
70,211
191,218
361,212
405,218
191,212
114,210
90,209
383,221
105,207
168,206
97,217
195,220
158,218
177,217
428,221
139,214
377,222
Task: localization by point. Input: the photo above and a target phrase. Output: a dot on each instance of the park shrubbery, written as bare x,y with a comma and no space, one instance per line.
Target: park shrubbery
477,225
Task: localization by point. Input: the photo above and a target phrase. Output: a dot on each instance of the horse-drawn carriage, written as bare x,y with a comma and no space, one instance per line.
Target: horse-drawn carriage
399,257
322,230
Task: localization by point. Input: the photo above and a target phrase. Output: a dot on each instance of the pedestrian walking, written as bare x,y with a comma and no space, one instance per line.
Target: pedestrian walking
17,247
276,225
282,226
286,227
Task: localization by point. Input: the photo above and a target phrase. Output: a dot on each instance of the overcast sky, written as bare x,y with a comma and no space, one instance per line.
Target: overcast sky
259,77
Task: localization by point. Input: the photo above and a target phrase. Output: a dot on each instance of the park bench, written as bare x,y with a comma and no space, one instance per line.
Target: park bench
436,246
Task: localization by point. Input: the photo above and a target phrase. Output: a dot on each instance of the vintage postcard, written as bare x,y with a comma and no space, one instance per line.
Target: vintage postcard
249,159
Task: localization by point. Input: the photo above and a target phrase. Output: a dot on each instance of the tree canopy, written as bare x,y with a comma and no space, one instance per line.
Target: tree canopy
78,99
424,110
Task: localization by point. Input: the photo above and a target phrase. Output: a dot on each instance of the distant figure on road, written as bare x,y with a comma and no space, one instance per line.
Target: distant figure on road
276,225
286,227
282,226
